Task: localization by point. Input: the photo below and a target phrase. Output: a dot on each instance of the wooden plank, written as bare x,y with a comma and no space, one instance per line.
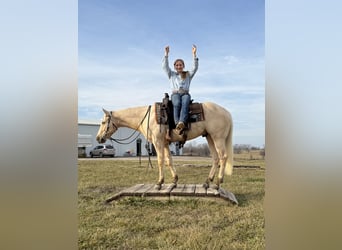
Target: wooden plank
115,197
228,196
125,192
200,190
212,192
177,191
131,190
143,189
169,190
189,190
164,191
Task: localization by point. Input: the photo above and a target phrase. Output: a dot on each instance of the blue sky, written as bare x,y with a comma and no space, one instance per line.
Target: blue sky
121,45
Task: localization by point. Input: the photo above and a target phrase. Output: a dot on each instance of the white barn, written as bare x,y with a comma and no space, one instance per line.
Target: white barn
87,131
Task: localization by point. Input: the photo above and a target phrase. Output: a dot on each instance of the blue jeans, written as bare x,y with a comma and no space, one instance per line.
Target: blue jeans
180,107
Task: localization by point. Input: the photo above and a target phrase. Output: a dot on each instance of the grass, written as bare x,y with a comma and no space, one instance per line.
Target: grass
139,223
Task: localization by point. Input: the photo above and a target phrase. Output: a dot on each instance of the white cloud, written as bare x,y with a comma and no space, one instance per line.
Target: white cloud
234,83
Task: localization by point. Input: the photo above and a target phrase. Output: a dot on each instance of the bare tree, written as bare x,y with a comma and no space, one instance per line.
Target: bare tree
241,148
262,153
201,149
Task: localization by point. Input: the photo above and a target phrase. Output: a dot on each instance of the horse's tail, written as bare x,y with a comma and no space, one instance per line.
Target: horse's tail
230,152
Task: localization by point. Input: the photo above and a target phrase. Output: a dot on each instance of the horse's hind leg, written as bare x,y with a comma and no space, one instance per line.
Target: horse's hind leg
215,161
221,150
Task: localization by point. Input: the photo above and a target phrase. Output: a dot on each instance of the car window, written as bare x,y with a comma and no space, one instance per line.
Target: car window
109,146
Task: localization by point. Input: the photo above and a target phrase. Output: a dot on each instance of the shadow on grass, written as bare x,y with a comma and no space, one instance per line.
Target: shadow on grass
246,199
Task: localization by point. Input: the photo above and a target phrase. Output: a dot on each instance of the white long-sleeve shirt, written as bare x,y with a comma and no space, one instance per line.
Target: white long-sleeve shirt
176,81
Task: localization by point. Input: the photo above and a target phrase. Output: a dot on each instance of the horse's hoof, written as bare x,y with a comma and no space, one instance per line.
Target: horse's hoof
206,185
215,186
157,186
175,180
173,185
160,183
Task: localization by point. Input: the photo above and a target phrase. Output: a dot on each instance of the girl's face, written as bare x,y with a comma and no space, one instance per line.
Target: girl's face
179,66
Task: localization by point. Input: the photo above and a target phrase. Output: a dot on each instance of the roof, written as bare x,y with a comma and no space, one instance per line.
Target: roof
88,122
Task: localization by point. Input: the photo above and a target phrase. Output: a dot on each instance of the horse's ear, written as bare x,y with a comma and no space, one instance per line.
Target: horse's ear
105,111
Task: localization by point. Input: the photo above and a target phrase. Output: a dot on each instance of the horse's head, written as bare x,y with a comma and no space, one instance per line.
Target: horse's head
107,127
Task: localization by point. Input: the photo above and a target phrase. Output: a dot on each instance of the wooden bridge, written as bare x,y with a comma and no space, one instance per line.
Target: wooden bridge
171,191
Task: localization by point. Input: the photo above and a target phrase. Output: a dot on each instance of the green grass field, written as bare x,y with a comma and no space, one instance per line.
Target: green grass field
192,223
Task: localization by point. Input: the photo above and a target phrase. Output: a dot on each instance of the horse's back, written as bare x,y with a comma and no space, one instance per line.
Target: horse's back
218,121
214,111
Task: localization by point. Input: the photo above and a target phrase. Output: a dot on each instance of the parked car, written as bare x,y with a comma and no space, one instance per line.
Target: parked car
102,151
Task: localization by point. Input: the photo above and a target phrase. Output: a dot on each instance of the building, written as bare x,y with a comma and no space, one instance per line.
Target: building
132,143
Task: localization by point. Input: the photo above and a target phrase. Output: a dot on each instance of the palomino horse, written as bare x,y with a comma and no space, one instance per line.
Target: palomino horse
217,128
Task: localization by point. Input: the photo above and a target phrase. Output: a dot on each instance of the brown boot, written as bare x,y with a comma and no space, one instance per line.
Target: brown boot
180,127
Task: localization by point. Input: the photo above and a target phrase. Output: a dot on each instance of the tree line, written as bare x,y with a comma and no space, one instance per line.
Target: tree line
203,149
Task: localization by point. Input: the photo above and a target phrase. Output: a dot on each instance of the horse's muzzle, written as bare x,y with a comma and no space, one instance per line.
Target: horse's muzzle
100,139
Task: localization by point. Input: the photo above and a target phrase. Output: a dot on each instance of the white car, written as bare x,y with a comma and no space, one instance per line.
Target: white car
102,151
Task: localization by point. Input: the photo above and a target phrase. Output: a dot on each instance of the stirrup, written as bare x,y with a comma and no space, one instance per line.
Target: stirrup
180,126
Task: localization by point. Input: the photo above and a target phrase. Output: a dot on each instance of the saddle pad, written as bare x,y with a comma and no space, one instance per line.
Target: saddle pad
195,113
161,116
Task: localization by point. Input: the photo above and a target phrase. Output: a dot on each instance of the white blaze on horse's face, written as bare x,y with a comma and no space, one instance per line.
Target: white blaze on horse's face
107,127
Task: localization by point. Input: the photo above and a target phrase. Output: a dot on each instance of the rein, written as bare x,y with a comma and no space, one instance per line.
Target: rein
121,141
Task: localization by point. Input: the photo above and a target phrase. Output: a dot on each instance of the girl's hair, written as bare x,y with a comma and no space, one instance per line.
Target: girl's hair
179,60
184,73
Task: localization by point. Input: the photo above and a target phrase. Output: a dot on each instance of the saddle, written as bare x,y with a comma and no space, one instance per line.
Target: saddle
164,112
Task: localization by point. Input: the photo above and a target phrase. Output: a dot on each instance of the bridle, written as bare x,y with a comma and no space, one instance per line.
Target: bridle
121,141
108,122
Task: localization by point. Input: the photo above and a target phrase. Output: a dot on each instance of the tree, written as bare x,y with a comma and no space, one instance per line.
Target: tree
240,148
262,153
201,149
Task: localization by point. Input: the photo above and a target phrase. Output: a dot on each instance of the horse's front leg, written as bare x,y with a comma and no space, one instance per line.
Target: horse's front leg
161,172
160,159
169,163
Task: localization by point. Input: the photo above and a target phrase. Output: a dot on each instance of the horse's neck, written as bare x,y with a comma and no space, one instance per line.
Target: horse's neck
130,118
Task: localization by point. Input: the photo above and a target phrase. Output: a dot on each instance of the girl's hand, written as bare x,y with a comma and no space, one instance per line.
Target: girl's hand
194,50
167,50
